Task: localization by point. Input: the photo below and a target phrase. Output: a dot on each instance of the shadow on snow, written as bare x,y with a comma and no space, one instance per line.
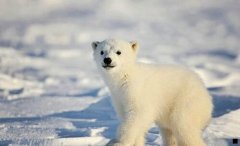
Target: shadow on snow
97,115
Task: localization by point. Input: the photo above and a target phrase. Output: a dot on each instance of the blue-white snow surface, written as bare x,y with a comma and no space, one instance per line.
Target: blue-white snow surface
51,92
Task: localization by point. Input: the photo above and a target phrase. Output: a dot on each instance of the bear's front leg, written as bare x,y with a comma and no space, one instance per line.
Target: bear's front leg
132,127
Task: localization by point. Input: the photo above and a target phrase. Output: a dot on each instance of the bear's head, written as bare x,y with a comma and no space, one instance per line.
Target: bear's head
114,55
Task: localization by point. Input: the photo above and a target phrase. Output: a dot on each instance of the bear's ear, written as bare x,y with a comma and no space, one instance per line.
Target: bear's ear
134,45
95,44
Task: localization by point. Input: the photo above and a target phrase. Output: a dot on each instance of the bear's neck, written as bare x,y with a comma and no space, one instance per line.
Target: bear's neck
119,79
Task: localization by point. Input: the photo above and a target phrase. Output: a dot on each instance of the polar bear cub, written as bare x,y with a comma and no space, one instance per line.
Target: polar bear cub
172,97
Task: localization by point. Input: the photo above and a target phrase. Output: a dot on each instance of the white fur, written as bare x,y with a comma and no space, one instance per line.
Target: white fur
172,97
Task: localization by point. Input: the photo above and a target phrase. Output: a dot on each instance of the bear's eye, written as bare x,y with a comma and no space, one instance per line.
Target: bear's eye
119,52
101,52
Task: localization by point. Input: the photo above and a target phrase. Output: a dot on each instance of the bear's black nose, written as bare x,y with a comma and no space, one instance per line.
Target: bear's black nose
107,60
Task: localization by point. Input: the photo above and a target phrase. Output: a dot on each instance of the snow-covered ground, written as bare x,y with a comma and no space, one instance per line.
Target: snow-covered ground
51,93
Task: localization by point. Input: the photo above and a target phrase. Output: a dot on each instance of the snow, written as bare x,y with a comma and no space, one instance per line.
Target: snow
226,125
51,92
84,141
